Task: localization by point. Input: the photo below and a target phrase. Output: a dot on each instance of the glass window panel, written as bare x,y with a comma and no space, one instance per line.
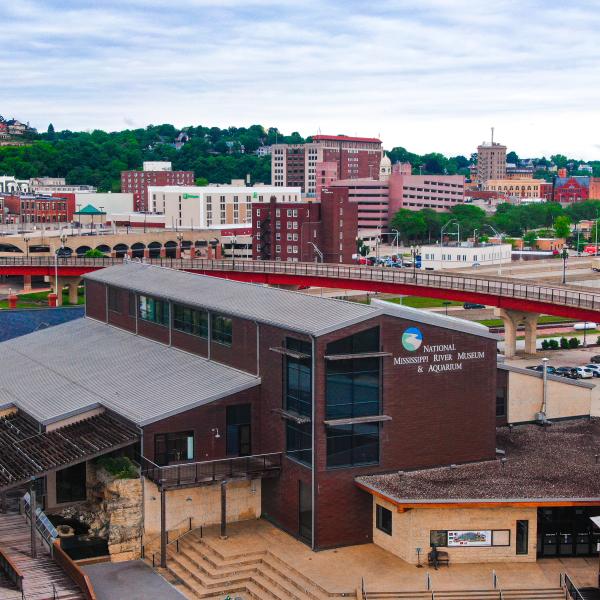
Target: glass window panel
299,441
351,445
222,329
189,320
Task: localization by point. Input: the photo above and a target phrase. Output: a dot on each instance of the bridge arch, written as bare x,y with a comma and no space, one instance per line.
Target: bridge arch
64,251
10,248
81,250
120,250
104,248
171,249
137,250
154,249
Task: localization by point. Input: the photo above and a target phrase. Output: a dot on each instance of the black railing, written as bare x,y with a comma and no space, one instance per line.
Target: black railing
207,472
496,286
571,588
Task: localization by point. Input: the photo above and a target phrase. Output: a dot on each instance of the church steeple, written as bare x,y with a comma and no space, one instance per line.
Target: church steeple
385,168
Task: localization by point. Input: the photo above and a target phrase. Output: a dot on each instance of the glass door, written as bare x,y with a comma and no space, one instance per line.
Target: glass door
305,511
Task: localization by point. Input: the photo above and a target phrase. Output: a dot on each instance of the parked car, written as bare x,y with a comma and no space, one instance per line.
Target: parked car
566,372
583,373
595,359
549,369
595,369
469,305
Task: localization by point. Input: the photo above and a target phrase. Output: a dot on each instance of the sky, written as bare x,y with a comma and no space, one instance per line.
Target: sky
432,75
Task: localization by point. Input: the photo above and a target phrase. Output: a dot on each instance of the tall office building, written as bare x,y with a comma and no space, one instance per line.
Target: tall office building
301,164
491,161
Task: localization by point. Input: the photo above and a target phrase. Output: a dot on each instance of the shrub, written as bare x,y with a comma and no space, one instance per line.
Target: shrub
119,467
598,341
545,345
564,343
93,253
573,342
553,344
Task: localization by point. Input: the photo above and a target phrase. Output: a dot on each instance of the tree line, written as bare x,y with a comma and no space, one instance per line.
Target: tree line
548,219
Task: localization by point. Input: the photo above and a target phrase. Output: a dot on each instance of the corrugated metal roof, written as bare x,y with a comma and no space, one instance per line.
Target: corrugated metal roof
283,308
70,368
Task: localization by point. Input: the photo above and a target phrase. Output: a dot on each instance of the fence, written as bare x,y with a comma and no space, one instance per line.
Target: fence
42,524
79,578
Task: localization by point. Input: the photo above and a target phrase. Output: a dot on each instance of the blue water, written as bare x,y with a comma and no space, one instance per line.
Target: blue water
14,323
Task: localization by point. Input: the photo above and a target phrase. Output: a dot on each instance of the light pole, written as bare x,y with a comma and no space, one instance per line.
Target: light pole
545,384
397,243
233,243
564,256
26,239
63,239
415,251
179,237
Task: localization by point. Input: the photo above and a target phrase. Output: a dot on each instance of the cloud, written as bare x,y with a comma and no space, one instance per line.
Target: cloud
428,75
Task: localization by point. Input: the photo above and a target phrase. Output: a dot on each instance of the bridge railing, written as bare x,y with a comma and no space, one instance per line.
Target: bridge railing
496,286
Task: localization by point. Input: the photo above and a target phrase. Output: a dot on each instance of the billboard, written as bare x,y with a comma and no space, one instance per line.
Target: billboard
470,538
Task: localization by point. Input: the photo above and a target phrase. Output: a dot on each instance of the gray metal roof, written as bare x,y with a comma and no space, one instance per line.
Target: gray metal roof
71,368
433,318
283,308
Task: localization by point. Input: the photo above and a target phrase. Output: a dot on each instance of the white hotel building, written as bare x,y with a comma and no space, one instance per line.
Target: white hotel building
464,256
214,205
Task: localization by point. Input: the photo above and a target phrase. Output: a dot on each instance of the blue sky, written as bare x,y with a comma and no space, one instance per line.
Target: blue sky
432,75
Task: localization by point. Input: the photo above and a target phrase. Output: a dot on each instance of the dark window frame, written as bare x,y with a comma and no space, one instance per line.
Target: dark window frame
114,299
354,449
297,373
519,548
218,333
170,440
501,401
298,442
383,519
192,321
155,311
235,426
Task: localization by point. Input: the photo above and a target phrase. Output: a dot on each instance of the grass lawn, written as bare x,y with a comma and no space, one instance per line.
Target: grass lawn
543,319
418,302
40,299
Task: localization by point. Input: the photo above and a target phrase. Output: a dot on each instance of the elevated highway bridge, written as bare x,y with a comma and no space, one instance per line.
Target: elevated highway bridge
517,301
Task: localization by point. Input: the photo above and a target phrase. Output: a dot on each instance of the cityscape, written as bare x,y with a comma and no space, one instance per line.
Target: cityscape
353,355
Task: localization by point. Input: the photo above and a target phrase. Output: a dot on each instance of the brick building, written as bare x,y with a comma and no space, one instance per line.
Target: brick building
571,189
594,193
306,231
349,157
491,162
138,182
28,208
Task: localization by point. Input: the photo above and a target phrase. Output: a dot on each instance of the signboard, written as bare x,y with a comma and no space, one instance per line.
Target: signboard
186,196
470,538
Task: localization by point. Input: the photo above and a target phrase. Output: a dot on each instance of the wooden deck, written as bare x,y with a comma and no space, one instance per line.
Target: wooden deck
40,574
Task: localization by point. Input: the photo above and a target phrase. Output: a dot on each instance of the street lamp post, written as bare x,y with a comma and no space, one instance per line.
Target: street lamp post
564,256
179,237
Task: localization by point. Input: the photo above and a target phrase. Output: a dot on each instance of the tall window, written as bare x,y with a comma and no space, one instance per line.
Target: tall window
190,320
353,445
221,329
238,420
114,303
154,310
353,385
383,519
298,399
522,537
501,402
173,447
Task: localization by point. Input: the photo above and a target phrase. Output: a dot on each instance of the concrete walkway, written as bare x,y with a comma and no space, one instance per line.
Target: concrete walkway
133,580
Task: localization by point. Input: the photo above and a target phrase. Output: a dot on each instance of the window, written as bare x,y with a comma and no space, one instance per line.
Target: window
383,519
238,430
189,320
173,447
298,439
438,538
71,484
522,537
114,301
131,304
298,379
221,329
352,445
353,385
153,310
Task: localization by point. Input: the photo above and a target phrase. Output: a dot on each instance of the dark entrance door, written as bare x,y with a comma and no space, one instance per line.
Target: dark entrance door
70,484
305,512
567,531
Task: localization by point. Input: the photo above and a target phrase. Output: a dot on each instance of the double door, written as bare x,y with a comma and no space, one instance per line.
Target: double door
567,532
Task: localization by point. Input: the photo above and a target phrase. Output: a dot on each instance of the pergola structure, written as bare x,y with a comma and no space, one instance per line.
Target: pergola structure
27,453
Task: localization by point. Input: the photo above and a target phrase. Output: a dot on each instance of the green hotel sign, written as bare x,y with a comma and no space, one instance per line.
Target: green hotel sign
186,196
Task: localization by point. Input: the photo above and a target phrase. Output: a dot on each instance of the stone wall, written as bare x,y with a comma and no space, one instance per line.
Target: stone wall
202,504
410,530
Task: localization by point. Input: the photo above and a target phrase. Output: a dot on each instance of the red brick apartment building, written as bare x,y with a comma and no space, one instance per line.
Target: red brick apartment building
340,422
137,183
298,232
347,157
28,208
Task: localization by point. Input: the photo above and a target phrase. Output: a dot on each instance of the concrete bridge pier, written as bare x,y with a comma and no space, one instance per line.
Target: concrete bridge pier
72,283
512,319
27,283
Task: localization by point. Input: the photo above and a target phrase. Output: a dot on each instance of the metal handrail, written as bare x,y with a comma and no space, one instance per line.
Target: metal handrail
156,536
42,524
500,286
571,588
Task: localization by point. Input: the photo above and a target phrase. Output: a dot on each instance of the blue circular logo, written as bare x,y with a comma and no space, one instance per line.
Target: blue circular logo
412,339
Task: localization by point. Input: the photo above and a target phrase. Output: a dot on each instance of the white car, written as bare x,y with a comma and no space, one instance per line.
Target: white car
584,373
595,369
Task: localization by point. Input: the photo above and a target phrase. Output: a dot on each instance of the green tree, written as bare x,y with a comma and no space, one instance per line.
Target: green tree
512,157
529,239
562,227
93,253
410,224
50,133
201,181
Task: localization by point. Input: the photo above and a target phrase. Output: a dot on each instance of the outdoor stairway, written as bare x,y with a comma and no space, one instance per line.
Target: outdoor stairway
200,571
39,574
516,594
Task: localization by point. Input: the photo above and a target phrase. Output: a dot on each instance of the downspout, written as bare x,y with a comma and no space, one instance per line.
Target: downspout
313,459
257,348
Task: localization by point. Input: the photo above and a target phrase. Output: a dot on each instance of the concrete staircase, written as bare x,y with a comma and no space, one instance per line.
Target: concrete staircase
539,594
199,570
40,574
203,572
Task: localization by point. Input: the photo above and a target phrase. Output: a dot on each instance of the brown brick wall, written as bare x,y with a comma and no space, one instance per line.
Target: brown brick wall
437,418
201,420
242,352
153,331
95,300
121,317
189,343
